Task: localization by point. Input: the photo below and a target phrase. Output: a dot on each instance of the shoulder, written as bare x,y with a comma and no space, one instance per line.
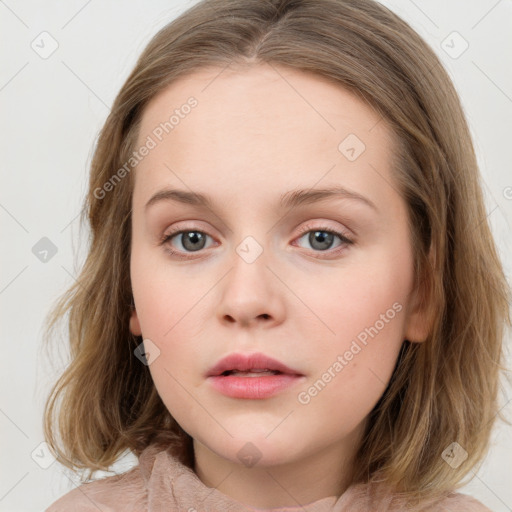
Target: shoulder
457,502
378,497
118,492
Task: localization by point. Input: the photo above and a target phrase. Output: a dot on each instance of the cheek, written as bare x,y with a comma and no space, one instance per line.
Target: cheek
163,294
363,321
353,369
168,308
370,287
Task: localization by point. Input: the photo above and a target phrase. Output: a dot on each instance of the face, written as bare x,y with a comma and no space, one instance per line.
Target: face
322,284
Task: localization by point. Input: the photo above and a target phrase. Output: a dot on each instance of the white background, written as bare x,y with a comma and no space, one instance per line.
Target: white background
52,110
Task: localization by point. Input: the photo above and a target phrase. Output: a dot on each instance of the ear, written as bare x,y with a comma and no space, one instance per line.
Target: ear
134,323
420,318
417,326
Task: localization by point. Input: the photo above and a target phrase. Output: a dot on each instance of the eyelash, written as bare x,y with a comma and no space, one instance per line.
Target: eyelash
346,241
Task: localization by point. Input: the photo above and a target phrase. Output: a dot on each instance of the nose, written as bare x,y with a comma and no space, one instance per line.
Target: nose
251,294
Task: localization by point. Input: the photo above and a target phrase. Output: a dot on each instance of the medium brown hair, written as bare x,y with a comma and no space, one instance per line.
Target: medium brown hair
443,390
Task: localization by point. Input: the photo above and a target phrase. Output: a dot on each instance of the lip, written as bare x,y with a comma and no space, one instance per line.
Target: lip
252,387
245,362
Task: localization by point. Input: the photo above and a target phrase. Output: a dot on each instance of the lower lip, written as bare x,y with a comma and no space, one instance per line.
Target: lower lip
253,387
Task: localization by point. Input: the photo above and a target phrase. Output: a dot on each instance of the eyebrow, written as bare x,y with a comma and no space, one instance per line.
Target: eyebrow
290,199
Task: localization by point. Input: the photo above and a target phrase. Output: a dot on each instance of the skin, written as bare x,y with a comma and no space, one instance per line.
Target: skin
255,134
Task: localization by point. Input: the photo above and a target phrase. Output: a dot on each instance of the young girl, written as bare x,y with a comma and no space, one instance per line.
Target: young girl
334,340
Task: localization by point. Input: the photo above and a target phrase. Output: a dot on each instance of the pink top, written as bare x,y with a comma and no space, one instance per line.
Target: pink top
162,483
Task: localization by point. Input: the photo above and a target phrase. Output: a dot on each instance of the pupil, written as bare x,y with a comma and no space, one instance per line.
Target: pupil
190,240
324,239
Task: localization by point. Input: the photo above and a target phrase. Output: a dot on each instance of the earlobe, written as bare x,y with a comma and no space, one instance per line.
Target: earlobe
134,323
418,326
420,319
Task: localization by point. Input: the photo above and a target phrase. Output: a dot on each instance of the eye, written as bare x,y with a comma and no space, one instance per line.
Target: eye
190,240
321,238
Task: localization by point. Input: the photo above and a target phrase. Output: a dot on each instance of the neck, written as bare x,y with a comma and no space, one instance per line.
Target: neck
326,473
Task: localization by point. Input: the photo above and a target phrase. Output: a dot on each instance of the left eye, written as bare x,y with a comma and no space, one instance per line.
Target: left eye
322,239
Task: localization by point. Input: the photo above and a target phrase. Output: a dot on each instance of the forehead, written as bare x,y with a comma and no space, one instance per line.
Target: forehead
290,98
260,127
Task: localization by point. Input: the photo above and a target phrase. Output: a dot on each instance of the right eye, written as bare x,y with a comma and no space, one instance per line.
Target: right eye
190,240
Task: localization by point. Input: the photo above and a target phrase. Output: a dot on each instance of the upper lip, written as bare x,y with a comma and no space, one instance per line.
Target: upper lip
245,362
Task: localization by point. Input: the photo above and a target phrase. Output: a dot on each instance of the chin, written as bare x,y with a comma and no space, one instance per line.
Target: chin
251,449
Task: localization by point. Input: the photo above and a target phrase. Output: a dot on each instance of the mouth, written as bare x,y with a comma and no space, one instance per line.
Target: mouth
254,376
250,365
254,372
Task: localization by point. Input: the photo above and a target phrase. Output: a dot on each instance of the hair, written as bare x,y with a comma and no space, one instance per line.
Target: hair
442,390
